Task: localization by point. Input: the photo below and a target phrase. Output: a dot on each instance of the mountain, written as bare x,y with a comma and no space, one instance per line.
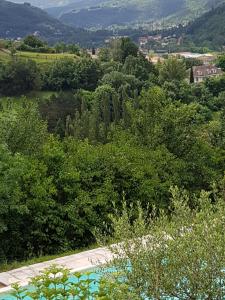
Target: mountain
209,29
59,10
104,13
19,20
46,3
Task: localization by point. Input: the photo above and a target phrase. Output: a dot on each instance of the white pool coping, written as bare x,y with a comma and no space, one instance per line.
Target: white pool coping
76,263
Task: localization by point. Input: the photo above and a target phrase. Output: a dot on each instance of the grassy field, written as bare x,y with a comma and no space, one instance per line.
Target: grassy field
40,58
35,96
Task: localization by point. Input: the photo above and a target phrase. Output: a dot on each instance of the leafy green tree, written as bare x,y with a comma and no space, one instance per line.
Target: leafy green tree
139,67
146,119
58,108
172,70
33,41
22,129
26,201
110,66
18,76
73,49
122,48
104,55
89,73
71,74
107,107
215,85
118,79
61,75
221,62
60,47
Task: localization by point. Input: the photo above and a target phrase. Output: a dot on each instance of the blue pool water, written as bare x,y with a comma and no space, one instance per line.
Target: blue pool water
95,276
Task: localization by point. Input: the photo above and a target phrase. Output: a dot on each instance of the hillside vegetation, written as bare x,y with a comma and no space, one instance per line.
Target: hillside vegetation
39,58
106,13
19,20
14,20
108,134
209,29
111,128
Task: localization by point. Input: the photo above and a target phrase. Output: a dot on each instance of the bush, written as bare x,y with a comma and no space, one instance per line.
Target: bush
180,255
17,77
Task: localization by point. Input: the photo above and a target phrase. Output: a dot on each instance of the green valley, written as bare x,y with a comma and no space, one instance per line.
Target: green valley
112,139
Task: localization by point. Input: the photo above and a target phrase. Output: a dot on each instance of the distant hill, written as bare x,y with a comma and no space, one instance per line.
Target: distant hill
60,10
19,20
209,29
46,3
103,13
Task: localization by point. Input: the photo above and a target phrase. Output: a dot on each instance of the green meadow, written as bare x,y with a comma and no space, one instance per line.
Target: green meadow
40,58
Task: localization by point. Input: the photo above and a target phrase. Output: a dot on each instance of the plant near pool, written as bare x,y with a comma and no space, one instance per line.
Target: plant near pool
182,254
55,283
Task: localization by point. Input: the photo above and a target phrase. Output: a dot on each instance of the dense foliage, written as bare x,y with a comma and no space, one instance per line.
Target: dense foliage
116,127
209,29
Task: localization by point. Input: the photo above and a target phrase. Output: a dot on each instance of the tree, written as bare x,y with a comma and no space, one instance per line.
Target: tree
33,42
215,85
22,129
57,109
172,70
61,75
26,201
139,67
18,76
104,55
67,74
221,62
146,120
118,79
89,73
122,48
60,47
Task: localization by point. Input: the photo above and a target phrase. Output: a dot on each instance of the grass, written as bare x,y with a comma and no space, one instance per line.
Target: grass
32,96
44,57
18,264
40,58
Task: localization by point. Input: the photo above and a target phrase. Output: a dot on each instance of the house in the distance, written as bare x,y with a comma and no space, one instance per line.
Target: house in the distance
200,73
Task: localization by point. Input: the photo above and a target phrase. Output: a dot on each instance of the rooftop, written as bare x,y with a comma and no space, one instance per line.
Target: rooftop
206,70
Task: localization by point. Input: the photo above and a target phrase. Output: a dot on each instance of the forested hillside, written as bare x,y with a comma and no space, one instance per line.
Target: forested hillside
105,13
46,3
19,20
209,29
14,20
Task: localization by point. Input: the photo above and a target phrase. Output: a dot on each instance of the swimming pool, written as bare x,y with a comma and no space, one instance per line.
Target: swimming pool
94,275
